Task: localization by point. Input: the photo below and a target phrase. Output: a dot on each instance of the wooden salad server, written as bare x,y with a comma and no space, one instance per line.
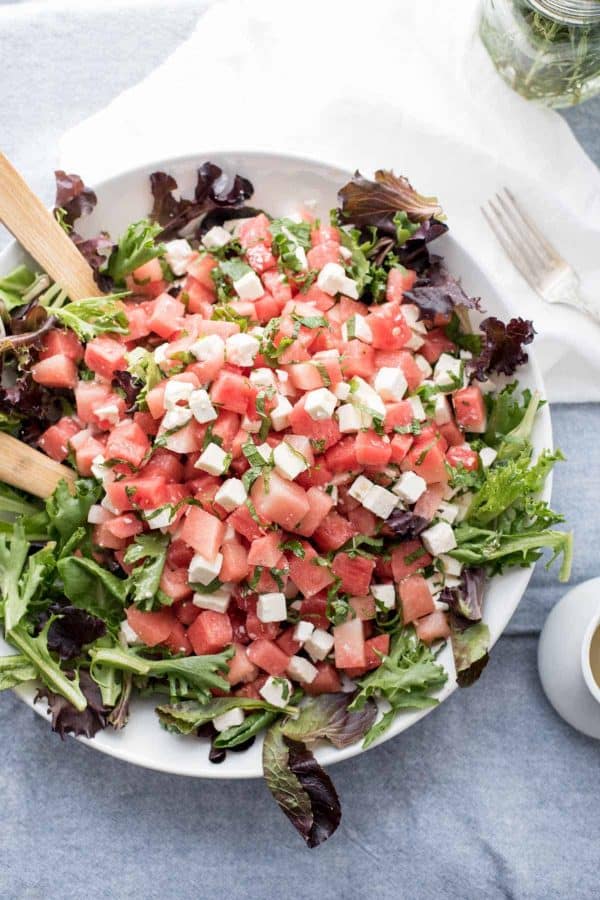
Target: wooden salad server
38,232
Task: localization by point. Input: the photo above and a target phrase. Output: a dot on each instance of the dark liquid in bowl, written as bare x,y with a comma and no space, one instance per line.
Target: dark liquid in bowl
595,656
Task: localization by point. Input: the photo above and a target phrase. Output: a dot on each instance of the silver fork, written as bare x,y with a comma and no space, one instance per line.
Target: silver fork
540,264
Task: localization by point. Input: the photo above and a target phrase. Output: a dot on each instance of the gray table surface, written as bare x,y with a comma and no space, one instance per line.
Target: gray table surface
491,796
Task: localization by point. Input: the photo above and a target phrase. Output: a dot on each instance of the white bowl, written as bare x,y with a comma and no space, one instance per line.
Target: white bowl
282,184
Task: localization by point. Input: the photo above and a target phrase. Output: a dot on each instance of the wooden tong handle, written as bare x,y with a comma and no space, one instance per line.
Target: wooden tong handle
37,230
23,467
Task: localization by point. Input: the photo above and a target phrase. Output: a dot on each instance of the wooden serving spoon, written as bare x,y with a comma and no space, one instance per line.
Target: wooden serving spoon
36,229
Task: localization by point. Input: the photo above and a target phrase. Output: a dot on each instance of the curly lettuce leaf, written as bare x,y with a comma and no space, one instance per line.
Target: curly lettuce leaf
151,551
15,285
364,202
73,197
67,510
93,316
137,246
502,346
35,649
93,588
498,551
189,715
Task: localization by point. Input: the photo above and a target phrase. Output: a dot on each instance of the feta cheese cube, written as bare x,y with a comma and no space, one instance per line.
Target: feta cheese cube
280,414
360,488
282,376
450,565
349,418
319,644
252,426
201,406
442,412
417,409
438,539
271,607
106,503
99,469
448,511
160,354
218,601
266,451
127,633
241,349
231,719
390,383
332,278
350,288
161,517
216,237
178,254
231,494
176,418
487,455
289,463
342,391
357,327
263,378
277,691
300,253
423,365
303,631
249,287
213,460
202,570
96,515
440,605
384,594
176,391
366,397
108,412
208,347
345,253
415,342
452,581
434,585
302,670
379,501
409,487
412,317
448,371
320,404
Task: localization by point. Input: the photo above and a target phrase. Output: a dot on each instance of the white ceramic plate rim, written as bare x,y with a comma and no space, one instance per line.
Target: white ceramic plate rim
513,584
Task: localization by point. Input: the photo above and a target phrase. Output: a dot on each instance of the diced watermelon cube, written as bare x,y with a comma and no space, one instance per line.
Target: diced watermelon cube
127,442
307,575
235,562
61,342
105,356
282,502
408,558
166,316
372,449
320,505
333,532
268,656
211,632
241,669
202,531
355,573
349,646
433,627
58,371
152,628
326,682
415,597
469,408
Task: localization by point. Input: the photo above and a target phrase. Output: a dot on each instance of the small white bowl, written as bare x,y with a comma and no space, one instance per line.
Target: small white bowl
282,184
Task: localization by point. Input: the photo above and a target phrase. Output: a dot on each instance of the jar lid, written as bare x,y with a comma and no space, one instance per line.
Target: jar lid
569,12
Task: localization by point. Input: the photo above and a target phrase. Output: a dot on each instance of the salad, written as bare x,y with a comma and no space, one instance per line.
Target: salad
298,462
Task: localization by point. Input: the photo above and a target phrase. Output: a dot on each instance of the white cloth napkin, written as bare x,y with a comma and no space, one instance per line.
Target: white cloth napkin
392,84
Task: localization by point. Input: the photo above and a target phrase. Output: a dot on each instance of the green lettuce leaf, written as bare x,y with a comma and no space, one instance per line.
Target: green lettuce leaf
470,647
15,285
93,316
187,716
144,581
135,248
16,670
35,649
93,588
67,512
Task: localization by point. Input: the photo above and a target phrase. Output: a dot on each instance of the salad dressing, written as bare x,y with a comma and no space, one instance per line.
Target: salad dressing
595,656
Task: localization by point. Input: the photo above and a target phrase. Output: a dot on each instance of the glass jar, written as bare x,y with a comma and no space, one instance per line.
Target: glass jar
547,50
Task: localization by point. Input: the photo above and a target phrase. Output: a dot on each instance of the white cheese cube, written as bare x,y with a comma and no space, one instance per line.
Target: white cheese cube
252,426
412,313
277,691
266,451
466,354
423,365
357,327
218,601
366,397
216,237
487,455
160,354
202,570
280,414
303,631
442,413
208,347
319,644
349,418
450,565
390,383
415,342
289,463
241,349
233,717
271,607
384,594
263,378
332,278
99,469
302,670
213,460
109,412
249,287
438,539
342,391
448,511
176,391
379,501
440,605
231,494
106,504
161,517
434,585
127,633
201,406
320,404
448,371
417,409
360,488
282,375
178,254
409,487
452,581
300,253
176,418
349,288
96,515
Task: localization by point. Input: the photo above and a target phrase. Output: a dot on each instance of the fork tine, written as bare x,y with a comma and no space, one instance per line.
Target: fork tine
533,228
528,240
510,246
